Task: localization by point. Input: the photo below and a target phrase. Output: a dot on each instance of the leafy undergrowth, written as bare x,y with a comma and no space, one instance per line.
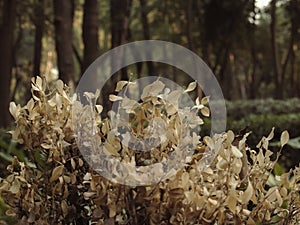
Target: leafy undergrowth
238,188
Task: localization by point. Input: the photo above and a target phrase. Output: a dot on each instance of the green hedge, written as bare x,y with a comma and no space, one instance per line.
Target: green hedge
240,109
260,116
261,125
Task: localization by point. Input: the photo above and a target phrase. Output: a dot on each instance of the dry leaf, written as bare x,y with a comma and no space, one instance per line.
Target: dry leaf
152,89
56,173
191,86
247,195
284,138
120,85
236,152
205,111
114,98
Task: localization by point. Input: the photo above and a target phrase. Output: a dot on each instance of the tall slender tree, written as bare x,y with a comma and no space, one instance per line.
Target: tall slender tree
63,12
120,33
38,21
90,35
7,26
146,31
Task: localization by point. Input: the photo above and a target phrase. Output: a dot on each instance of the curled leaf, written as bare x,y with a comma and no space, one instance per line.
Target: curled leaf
120,85
191,87
205,111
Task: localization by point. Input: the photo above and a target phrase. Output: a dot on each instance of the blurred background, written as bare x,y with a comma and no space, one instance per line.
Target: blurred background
252,46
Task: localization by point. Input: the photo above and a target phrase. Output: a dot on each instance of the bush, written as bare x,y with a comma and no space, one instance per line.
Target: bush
237,110
63,189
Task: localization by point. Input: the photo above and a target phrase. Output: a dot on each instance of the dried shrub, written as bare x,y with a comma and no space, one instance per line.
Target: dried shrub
238,187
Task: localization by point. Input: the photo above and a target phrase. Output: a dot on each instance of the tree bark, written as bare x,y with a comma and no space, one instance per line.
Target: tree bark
63,12
39,19
120,13
6,62
276,63
146,31
295,25
188,21
90,32
252,86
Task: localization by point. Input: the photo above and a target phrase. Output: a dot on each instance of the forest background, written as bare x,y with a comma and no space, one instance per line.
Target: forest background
251,46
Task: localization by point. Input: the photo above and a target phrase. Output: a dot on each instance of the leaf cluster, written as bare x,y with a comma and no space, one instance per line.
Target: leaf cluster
62,188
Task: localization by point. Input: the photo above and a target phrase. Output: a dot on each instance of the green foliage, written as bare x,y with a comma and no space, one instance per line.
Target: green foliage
237,110
8,149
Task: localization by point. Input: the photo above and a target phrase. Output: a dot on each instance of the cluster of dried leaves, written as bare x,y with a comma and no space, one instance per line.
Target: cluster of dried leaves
237,188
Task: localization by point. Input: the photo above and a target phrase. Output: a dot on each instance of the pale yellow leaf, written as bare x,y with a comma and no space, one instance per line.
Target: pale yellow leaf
114,98
73,163
236,152
99,108
271,134
15,187
205,111
80,162
13,110
191,87
284,138
212,201
39,82
46,146
30,105
88,195
205,100
230,136
197,101
120,85
52,101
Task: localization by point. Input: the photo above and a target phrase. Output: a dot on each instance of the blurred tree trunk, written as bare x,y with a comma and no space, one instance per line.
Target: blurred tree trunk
38,21
63,12
120,13
252,29
188,22
295,25
6,62
90,32
146,32
276,63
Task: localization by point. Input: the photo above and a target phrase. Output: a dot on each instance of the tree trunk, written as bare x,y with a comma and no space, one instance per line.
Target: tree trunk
39,31
188,21
295,25
90,32
63,12
252,85
120,13
6,62
276,63
146,32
